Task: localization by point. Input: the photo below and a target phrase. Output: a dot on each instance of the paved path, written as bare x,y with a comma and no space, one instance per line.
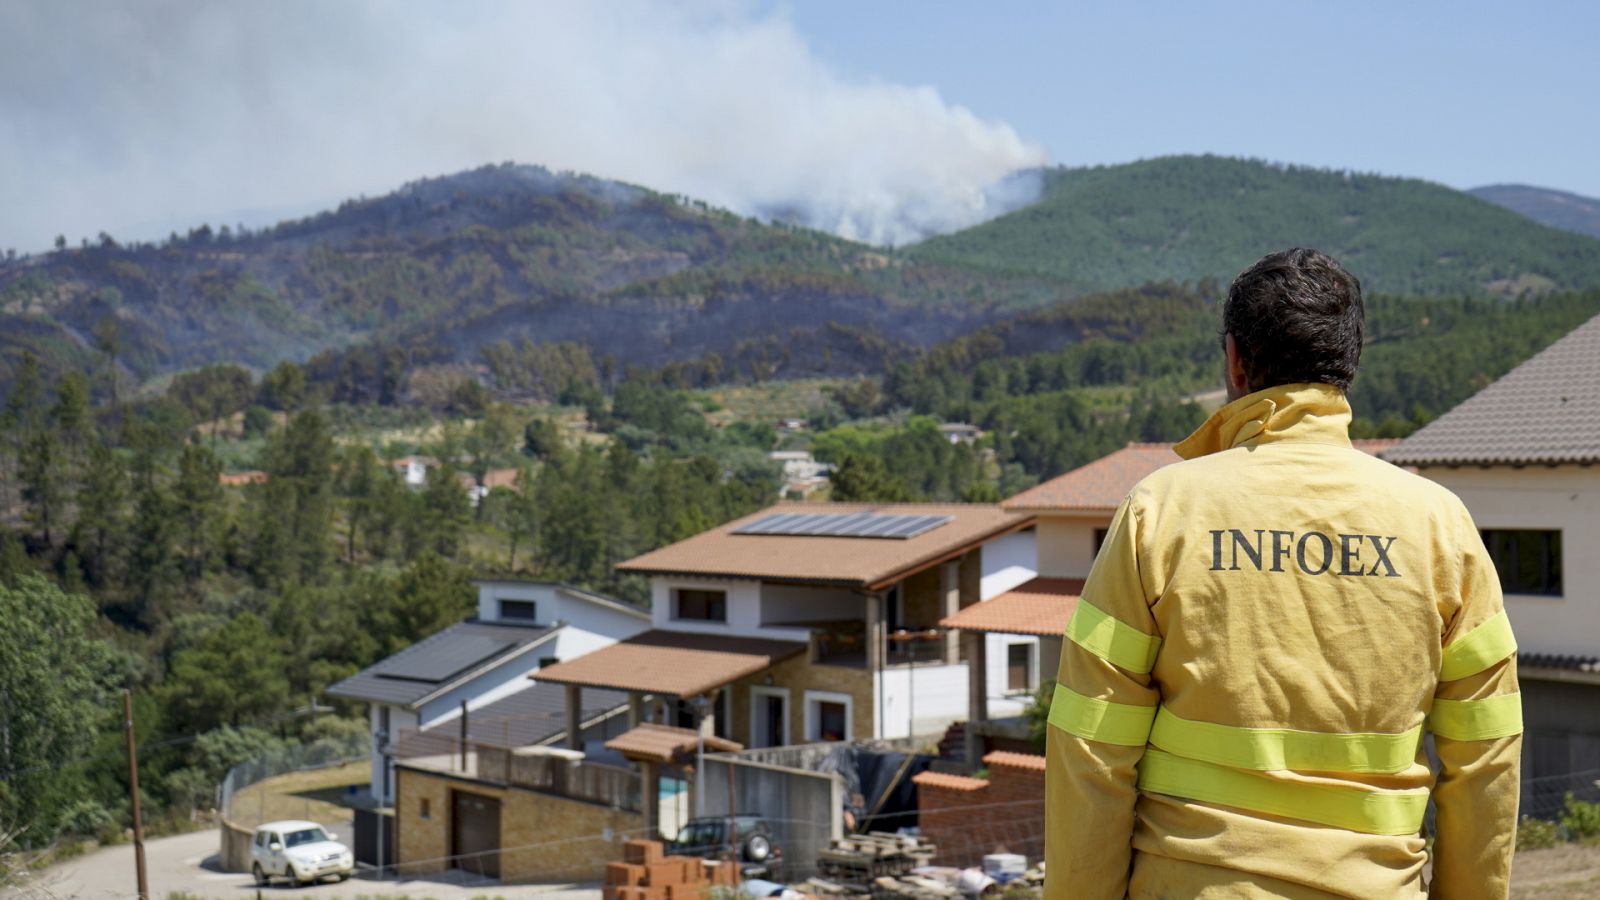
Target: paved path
186,863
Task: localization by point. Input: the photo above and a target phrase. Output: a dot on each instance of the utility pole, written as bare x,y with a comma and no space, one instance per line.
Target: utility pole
133,791
464,736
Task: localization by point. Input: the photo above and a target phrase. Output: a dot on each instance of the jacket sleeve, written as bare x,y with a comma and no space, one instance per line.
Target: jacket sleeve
1100,717
1476,722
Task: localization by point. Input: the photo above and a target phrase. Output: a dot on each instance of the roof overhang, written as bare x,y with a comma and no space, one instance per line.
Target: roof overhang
1040,607
652,742
882,582
671,663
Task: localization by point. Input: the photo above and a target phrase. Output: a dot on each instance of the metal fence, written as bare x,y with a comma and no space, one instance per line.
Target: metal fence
1546,798
319,755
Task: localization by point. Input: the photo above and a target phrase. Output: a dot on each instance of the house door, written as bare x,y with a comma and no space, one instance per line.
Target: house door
769,718
475,834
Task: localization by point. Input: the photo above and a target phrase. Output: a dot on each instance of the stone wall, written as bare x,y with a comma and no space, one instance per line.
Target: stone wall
543,838
966,818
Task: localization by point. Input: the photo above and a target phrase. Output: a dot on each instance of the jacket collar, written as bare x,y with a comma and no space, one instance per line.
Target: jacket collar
1317,413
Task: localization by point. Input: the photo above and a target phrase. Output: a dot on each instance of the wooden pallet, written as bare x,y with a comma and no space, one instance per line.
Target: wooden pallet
857,862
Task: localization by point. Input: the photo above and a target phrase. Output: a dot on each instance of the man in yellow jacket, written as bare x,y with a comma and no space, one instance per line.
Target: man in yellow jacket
1268,633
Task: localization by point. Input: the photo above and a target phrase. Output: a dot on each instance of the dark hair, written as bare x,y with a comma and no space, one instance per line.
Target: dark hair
1296,316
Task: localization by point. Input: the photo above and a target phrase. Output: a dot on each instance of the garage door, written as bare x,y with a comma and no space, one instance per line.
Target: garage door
475,833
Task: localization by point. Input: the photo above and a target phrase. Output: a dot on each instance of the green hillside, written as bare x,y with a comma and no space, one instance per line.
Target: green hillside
1188,217
445,267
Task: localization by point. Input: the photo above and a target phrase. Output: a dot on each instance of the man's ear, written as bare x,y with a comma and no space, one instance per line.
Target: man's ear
1238,381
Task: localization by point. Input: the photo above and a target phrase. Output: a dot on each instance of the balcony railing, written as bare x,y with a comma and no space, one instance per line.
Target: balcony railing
914,645
844,643
531,768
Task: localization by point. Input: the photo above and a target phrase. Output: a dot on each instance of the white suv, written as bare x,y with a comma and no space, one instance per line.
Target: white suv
301,851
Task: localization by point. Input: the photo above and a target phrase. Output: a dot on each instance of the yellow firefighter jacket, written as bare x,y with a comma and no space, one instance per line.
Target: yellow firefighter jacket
1267,633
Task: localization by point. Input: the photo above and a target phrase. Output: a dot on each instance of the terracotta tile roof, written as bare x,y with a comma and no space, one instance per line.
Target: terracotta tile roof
849,561
675,663
1101,485
1040,606
1033,762
506,478
1545,411
664,743
948,782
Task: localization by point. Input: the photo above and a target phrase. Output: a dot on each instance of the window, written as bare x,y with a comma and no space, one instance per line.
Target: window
828,716
1019,667
705,606
306,836
831,721
1529,562
519,610
1099,539
424,811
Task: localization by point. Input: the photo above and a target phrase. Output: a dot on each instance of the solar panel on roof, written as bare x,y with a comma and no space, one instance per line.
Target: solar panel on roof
863,524
437,660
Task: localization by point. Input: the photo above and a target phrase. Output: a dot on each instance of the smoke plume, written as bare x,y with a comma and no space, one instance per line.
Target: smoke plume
178,110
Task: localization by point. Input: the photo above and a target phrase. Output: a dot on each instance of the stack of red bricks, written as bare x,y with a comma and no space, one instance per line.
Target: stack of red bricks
646,873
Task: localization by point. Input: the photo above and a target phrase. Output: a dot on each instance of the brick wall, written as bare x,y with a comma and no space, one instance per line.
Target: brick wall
966,818
544,838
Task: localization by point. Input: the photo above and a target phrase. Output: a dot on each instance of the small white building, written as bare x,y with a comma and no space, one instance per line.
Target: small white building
960,432
413,470
803,475
484,662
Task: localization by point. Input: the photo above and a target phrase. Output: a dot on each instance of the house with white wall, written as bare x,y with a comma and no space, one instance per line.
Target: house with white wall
810,622
482,666
1522,455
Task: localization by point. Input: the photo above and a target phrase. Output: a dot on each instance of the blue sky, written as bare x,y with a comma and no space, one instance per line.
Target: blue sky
1465,93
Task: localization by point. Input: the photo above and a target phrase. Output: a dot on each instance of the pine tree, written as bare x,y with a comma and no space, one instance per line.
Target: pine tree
39,473
197,503
100,531
357,484
294,512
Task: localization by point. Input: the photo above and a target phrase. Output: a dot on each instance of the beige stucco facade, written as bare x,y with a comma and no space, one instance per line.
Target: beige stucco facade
1066,543
1543,497
543,838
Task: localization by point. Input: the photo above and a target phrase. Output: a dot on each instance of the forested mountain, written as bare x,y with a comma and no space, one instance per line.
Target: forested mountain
443,267
1189,217
522,279
1558,209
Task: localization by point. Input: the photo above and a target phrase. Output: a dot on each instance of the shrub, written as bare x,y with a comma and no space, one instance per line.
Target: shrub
1581,819
1537,834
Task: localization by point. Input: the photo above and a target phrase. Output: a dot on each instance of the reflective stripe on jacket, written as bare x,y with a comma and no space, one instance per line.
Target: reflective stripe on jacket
1267,634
